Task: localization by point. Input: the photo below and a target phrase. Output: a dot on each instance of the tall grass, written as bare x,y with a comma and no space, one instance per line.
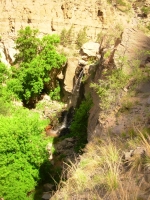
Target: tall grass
100,173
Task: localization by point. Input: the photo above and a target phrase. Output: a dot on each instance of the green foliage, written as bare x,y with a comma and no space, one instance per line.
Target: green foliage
79,125
148,26
66,36
39,64
5,95
4,74
55,94
122,5
145,10
22,152
99,37
126,106
27,44
108,89
81,37
119,2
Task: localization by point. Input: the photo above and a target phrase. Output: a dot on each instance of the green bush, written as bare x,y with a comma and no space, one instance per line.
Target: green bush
4,74
5,95
27,44
145,10
119,2
55,94
22,152
79,125
81,37
39,64
108,88
66,36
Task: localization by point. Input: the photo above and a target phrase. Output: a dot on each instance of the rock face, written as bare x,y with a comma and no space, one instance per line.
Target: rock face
7,51
134,47
49,16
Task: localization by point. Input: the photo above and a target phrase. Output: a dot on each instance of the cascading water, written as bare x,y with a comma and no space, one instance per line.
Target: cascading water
78,82
76,89
67,116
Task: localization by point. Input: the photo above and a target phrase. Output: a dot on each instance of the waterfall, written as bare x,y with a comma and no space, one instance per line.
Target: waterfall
78,83
64,126
76,90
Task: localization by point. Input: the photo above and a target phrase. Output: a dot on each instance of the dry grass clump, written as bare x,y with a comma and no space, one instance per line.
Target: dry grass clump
100,174
103,174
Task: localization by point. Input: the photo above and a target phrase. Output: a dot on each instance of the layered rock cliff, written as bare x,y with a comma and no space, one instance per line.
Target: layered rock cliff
50,16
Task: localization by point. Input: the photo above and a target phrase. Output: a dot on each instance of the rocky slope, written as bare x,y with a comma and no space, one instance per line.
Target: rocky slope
122,131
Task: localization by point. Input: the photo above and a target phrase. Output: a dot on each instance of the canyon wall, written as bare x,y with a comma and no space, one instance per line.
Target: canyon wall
50,16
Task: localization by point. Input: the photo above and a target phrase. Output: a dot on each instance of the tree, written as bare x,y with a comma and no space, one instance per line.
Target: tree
27,44
22,152
4,73
81,37
39,64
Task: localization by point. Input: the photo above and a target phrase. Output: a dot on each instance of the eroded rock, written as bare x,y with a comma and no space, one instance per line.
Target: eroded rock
70,74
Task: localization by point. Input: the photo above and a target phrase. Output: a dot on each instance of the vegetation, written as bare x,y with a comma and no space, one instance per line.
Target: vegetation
81,37
22,150
4,74
108,88
66,36
23,156
36,65
103,173
79,125
113,81
145,10
119,2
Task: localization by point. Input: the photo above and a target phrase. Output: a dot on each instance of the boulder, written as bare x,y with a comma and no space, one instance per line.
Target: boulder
82,62
46,196
48,187
91,49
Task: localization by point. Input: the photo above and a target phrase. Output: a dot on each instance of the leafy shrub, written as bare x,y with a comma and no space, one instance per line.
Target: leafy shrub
122,5
145,10
4,73
119,2
39,64
148,26
27,44
100,36
109,87
79,125
55,94
66,36
22,152
5,95
81,37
